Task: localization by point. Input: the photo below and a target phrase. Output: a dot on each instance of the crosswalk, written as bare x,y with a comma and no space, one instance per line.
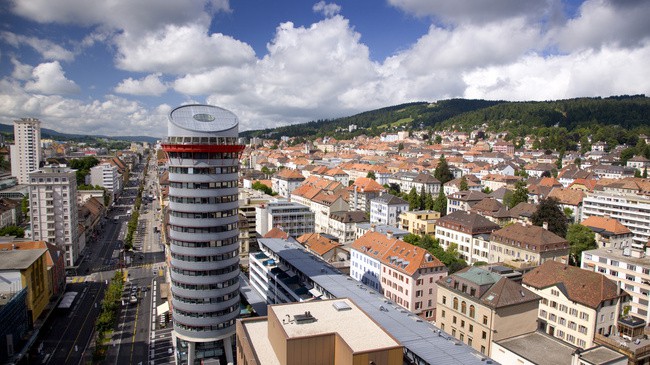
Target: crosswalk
77,279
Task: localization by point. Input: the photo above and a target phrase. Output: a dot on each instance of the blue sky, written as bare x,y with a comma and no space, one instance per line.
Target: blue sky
119,67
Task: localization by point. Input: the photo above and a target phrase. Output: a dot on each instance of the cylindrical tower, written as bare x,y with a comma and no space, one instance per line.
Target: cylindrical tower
203,235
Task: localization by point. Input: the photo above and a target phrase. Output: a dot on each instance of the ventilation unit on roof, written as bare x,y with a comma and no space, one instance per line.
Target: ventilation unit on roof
304,318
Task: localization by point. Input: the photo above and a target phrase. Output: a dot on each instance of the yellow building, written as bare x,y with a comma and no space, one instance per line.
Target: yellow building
20,268
477,306
419,222
332,332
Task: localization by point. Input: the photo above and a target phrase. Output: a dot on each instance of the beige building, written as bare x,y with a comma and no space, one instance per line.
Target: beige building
419,221
477,306
576,304
525,245
327,332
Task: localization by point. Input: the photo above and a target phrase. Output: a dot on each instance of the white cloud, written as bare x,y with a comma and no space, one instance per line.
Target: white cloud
600,22
327,9
21,70
48,50
587,73
149,85
49,78
472,11
181,49
134,17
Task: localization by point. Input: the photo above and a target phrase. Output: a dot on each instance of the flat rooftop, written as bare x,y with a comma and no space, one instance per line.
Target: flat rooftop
19,259
601,355
539,348
348,323
419,338
617,254
258,335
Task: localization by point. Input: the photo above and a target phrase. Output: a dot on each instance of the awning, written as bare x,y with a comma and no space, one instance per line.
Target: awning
163,308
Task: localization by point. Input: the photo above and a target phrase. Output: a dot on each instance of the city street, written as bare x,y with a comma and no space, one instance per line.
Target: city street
65,337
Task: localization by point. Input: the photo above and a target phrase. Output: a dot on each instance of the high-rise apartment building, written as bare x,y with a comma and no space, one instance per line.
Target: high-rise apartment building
106,176
203,214
53,209
26,150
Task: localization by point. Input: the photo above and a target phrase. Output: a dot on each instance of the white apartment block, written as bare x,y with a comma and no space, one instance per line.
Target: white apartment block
386,209
469,231
106,176
630,268
26,150
568,311
53,209
294,219
625,200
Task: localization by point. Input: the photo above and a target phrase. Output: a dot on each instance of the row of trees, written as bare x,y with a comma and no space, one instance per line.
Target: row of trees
107,318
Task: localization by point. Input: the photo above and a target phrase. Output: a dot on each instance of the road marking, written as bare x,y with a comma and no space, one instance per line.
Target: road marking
82,326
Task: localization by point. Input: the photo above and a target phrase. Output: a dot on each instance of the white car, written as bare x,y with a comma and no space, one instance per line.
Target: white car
133,299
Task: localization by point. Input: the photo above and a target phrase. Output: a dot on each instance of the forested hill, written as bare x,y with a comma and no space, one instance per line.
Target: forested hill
614,119
404,116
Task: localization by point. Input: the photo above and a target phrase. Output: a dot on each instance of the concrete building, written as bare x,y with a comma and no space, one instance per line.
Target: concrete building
477,306
404,273
294,219
203,150
630,268
26,150
53,209
14,322
625,200
319,332
423,342
576,304
526,245
470,232
609,232
26,268
386,209
342,225
286,181
419,221
106,175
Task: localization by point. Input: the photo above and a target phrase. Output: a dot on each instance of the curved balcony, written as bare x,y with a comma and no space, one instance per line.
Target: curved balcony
213,265
200,237
204,307
200,294
199,162
202,222
203,251
185,207
203,321
197,178
205,335
199,280
202,193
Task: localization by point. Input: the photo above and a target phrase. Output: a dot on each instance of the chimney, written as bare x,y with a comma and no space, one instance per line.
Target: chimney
372,228
545,225
389,234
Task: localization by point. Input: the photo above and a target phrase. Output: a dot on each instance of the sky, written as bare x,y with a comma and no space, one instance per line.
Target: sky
119,67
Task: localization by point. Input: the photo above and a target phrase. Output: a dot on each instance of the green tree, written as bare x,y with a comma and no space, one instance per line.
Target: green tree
645,173
568,212
519,195
438,139
442,172
429,202
549,211
423,198
486,190
371,175
24,207
463,184
400,146
577,161
637,173
12,231
440,204
263,188
580,238
413,199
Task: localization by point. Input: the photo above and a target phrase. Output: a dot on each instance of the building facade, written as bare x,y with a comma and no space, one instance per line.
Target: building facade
203,154
477,306
568,311
106,176
294,219
470,232
53,209
26,150
386,209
